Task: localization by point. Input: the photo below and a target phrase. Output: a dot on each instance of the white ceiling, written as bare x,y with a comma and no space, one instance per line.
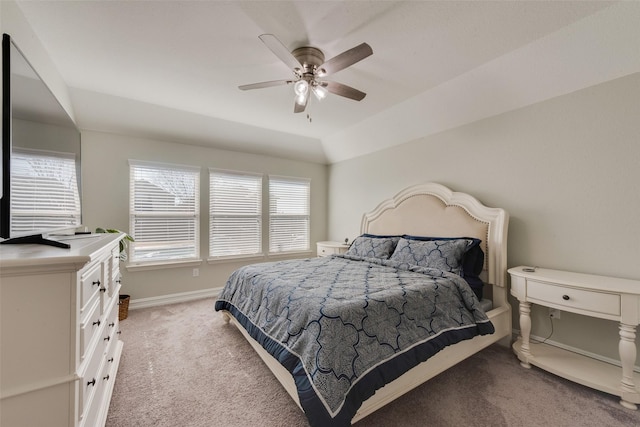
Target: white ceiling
170,70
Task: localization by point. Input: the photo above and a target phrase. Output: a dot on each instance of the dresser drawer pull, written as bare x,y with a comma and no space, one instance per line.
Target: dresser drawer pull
107,338
103,289
110,360
97,322
106,378
565,297
96,282
112,324
91,383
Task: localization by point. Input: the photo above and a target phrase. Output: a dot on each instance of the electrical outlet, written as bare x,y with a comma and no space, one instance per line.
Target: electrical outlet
196,272
554,313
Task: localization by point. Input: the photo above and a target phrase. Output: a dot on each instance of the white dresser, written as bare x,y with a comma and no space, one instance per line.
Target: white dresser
329,248
59,333
595,296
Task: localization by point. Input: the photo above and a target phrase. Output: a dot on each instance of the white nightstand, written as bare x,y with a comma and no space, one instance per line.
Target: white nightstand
595,296
330,248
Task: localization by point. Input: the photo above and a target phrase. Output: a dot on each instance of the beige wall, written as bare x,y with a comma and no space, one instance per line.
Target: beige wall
13,22
105,188
567,170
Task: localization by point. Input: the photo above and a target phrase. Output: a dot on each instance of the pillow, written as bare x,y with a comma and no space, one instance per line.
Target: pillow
472,264
473,258
445,255
373,246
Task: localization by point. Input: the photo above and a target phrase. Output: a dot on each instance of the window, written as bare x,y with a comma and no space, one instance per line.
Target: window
44,191
164,212
235,214
288,214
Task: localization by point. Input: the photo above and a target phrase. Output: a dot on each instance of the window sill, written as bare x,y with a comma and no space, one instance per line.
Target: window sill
293,254
159,265
238,258
261,257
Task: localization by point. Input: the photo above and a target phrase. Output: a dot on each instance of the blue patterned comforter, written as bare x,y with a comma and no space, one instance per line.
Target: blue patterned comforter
345,326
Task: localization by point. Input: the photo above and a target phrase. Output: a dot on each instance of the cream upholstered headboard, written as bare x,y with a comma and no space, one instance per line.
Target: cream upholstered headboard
434,210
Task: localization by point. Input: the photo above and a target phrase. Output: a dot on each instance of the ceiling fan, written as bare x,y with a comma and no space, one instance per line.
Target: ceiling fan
309,69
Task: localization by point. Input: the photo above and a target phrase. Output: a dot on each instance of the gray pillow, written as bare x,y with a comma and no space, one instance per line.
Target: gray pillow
445,255
371,246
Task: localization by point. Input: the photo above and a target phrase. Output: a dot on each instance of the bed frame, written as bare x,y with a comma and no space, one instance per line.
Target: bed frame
431,210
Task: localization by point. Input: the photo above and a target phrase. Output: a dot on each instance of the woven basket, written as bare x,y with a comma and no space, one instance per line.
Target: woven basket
123,307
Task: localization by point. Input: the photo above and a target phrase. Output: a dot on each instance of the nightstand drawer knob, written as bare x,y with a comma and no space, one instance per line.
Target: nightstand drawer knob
565,297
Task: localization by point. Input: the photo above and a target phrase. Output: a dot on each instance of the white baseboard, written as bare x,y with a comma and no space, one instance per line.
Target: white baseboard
135,304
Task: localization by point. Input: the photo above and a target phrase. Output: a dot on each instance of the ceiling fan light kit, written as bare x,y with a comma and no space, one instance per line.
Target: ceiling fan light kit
308,66
319,91
301,88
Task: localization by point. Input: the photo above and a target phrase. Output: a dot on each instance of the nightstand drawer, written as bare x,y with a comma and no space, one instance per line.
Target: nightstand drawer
578,299
325,251
330,248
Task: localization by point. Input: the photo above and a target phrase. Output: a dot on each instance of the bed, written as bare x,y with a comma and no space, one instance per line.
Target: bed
347,334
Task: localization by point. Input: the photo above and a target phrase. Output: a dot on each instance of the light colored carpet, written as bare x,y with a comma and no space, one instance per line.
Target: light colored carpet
182,366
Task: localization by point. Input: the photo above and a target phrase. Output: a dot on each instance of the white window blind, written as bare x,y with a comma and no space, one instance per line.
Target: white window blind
44,191
235,214
288,214
164,212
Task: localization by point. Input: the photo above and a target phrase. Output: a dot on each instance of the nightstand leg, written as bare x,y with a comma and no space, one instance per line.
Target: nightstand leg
525,331
627,349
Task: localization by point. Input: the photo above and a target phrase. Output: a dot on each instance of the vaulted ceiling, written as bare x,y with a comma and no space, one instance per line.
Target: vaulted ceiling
170,70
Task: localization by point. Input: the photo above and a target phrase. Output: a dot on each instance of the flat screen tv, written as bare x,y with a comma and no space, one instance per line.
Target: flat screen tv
41,188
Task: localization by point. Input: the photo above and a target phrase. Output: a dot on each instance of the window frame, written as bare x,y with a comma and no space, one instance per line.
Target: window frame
192,217
258,215
306,216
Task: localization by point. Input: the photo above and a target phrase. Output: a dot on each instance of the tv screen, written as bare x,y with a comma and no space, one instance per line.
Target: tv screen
41,188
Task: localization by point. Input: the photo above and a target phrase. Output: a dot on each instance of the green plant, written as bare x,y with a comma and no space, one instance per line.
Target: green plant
123,243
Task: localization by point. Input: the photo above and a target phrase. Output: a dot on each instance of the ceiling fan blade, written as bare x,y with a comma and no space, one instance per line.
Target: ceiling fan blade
347,58
264,84
280,51
344,90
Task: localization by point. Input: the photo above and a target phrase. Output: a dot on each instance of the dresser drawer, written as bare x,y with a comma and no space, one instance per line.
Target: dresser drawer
115,270
95,403
90,284
112,320
579,300
91,381
99,400
90,327
111,353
